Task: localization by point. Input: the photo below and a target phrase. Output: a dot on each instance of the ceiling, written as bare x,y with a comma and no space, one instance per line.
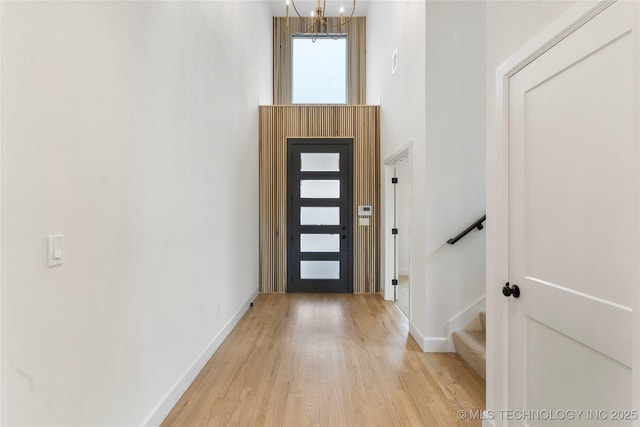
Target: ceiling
333,7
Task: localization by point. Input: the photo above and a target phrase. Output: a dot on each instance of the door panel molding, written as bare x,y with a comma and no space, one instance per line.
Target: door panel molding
498,205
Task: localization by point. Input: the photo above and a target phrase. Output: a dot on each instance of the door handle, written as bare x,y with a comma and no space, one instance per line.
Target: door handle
511,291
344,236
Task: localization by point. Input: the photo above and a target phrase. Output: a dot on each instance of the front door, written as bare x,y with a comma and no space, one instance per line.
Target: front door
574,222
320,215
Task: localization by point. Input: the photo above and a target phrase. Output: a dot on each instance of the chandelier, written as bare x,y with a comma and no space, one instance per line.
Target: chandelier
317,23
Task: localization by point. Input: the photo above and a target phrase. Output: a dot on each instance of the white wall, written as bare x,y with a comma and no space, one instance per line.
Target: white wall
131,128
509,26
437,100
455,160
391,25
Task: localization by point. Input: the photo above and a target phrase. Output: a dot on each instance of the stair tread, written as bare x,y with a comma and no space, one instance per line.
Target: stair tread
477,337
471,346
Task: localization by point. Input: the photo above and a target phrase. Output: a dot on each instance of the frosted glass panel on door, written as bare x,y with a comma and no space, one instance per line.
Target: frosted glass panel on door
319,162
320,189
319,269
319,243
319,215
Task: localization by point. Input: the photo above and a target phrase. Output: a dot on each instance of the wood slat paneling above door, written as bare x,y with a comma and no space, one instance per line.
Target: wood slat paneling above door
277,123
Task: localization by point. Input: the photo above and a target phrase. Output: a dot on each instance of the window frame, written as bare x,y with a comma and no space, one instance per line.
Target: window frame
331,36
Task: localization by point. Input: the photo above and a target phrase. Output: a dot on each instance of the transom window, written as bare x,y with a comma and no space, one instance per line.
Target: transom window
319,71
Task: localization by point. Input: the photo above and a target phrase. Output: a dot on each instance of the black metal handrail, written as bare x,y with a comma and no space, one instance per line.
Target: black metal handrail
477,224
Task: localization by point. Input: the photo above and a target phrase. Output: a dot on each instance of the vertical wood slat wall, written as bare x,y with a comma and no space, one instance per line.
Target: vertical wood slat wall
277,123
356,32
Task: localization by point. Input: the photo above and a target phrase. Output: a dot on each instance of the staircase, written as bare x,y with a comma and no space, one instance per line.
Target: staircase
471,346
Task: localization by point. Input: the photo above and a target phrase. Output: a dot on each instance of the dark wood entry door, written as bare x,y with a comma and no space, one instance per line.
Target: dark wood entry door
320,215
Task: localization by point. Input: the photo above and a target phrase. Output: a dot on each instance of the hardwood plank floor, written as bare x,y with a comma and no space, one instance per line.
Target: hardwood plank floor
327,360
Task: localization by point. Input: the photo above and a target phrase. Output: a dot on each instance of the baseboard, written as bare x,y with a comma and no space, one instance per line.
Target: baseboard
171,398
429,344
462,319
436,345
417,336
400,311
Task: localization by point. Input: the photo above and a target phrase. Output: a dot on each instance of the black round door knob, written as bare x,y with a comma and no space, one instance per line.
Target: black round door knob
506,290
512,290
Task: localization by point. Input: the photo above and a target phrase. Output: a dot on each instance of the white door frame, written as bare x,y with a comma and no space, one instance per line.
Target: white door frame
387,223
498,211
2,408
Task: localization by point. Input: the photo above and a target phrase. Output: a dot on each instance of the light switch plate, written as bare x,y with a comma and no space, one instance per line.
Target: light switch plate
363,221
55,252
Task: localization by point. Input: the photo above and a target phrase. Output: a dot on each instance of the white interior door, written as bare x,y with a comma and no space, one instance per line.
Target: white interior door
574,221
402,214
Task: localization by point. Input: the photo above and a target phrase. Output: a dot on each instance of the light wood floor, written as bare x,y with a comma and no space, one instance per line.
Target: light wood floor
327,360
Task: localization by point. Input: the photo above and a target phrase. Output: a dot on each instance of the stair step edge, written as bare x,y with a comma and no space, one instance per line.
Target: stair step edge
471,347
478,338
